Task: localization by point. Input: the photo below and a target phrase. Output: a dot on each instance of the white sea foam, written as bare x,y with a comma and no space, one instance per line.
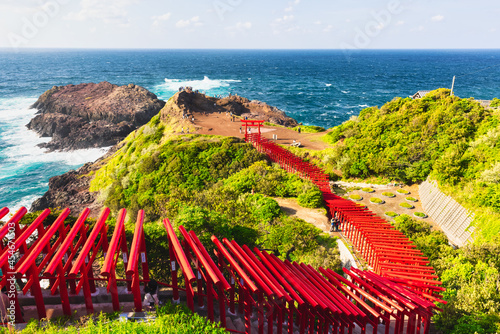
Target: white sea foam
204,85
328,85
25,201
345,91
21,152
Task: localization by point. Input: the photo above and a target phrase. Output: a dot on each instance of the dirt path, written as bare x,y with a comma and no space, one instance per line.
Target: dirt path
316,217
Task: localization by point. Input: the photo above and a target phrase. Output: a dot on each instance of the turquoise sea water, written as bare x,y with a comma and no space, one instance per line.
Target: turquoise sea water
316,87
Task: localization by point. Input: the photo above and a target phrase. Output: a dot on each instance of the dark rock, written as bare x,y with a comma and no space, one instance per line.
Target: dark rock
188,102
92,115
71,189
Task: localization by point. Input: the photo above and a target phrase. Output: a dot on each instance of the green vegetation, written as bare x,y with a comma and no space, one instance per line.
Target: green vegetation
452,140
356,197
367,190
403,191
170,319
309,128
214,186
406,139
471,276
495,103
391,214
411,199
406,205
388,194
376,200
420,214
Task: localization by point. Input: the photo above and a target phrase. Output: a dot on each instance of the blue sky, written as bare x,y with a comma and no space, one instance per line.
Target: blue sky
236,24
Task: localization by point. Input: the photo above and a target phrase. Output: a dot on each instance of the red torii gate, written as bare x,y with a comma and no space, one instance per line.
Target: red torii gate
248,123
312,301
68,254
362,227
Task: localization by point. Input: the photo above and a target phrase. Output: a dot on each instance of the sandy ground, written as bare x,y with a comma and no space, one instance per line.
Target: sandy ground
220,124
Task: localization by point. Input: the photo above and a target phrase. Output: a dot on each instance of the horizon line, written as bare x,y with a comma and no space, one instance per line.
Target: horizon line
8,48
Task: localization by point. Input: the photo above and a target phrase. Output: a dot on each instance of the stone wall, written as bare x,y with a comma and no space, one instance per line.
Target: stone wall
453,218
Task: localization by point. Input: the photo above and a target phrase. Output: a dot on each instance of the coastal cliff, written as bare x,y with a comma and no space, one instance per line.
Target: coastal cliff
187,103
92,115
72,189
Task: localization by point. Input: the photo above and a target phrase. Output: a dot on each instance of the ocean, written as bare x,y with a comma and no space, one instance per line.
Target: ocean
320,87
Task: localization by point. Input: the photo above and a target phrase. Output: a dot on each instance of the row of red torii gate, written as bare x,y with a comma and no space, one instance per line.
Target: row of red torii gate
397,296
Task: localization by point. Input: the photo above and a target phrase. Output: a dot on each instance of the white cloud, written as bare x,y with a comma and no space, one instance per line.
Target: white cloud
292,5
239,27
400,23
157,20
109,11
437,18
417,29
194,21
328,28
284,19
243,25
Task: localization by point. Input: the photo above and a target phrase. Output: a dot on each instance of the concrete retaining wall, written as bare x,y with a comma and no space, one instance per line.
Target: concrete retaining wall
453,218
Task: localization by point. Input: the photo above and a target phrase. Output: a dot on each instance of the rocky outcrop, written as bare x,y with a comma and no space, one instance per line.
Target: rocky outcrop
71,189
187,102
92,115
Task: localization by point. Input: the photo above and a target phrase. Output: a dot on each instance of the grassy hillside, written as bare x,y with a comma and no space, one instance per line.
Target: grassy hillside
212,185
451,139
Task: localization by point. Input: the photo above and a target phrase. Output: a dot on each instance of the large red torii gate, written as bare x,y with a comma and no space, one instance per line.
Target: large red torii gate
248,123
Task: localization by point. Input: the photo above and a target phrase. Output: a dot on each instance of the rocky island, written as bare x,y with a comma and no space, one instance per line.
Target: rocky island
92,115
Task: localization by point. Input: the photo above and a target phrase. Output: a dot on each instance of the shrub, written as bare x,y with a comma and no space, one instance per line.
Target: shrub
391,214
356,197
368,190
406,205
495,103
376,200
420,214
388,194
411,199
403,191
309,128
311,197
170,319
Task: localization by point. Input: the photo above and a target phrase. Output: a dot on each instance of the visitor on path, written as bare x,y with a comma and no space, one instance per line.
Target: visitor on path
298,130
334,225
151,295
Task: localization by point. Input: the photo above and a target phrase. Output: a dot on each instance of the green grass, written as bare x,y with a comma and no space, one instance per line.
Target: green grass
391,214
403,191
388,194
309,128
368,190
356,197
376,200
170,319
406,205
411,199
